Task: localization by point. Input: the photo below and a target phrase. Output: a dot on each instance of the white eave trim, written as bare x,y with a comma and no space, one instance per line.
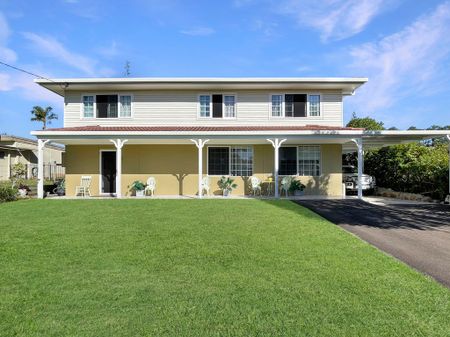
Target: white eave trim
345,84
206,80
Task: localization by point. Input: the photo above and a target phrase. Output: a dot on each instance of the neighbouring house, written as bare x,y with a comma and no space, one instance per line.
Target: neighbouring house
179,130
15,150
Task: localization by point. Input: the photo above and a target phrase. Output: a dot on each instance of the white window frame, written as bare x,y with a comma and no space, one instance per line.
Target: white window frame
211,105
131,105
283,105
320,105
118,106
82,106
198,106
320,160
297,161
229,159
223,105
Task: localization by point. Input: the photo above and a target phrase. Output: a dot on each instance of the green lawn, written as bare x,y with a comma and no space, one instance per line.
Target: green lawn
201,268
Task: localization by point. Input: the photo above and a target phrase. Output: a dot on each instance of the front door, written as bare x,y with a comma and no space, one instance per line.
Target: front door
108,171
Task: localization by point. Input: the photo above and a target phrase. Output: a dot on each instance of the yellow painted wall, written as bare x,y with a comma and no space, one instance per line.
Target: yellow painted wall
175,168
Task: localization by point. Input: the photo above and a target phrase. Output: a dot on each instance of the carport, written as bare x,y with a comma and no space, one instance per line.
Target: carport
378,139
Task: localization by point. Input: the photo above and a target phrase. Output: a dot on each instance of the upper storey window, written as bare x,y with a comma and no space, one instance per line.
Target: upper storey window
217,106
295,105
106,106
88,106
205,106
314,105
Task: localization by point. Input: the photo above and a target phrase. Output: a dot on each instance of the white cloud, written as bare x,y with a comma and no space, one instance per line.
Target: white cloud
50,47
109,51
27,89
267,28
198,31
6,54
414,60
334,19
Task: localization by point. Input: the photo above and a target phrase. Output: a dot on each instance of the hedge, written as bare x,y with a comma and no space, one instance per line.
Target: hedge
413,168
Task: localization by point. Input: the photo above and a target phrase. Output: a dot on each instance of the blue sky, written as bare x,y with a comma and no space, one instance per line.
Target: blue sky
402,46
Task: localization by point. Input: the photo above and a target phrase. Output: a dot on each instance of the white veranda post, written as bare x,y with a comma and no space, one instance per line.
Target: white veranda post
359,144
118,143
276,143
40,187
200,143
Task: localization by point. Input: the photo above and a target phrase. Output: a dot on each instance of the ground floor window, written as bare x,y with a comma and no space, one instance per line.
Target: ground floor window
230,160
287,161
303,160
309,160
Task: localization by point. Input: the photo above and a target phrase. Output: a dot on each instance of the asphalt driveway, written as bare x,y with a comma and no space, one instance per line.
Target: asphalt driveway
417,234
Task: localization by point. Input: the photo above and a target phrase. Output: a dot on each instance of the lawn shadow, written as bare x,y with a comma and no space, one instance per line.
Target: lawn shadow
292,206
362,213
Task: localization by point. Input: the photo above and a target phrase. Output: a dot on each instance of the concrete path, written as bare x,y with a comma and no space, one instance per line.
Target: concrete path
418,234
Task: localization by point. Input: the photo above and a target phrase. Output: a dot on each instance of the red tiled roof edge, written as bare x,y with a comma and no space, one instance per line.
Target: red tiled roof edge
204,128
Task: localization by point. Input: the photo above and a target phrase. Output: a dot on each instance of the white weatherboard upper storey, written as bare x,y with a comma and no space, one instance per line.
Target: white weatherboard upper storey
175,101
181,107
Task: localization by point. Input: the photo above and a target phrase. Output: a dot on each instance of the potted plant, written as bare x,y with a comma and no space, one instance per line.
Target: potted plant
226,184
138,187
23,190
297,188
60,188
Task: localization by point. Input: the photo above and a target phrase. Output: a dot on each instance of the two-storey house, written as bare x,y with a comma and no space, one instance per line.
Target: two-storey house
179,130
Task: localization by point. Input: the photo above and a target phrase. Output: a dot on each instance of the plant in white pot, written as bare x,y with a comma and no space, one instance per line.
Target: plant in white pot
297,188
226,184
139,188
23,190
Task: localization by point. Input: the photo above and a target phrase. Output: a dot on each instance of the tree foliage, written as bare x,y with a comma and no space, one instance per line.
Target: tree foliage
365,122
45,116
414,168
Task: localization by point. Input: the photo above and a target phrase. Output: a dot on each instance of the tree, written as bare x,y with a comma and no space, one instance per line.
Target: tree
365,122
45,116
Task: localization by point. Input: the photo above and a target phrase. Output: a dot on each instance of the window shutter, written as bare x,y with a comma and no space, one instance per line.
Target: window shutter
299,105
217,106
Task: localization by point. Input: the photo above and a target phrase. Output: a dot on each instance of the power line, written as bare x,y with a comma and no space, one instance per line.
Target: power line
26,71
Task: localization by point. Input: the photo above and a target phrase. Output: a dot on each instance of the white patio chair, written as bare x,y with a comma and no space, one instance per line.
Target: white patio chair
255,183
151,186
285,184
205,185
84,188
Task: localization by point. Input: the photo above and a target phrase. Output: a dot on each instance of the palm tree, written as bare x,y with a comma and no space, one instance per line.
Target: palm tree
43,115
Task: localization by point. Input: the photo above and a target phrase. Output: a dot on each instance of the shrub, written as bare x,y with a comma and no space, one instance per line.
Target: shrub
7,193
296,185
412,168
